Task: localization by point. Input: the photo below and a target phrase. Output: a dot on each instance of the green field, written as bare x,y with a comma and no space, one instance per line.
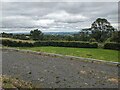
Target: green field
102,54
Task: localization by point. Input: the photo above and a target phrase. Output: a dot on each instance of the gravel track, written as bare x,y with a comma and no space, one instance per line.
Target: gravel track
57,72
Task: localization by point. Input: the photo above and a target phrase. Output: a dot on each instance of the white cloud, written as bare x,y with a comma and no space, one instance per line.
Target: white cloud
44,22
17,21
16,17
60,0
115,25
62,16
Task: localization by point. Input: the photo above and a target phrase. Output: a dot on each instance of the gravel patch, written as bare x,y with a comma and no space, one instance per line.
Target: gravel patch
57,72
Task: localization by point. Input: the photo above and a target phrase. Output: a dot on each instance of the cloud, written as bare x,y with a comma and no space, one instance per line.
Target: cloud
44,22
65,17
17,21
57,15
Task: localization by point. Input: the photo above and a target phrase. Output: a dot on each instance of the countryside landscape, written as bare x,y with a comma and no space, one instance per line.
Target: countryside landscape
59,45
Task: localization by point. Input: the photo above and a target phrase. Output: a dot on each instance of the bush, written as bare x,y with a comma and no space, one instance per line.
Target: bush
92,40
16,43
77,44
94,45
112,45
67,44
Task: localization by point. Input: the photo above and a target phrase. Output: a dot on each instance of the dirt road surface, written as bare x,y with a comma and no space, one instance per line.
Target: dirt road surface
57,72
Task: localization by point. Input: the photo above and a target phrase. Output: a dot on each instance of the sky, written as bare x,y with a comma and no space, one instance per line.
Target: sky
55,16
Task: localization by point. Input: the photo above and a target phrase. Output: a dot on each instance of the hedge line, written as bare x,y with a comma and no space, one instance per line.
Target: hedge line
16,43
108,45
112,45
67,44
50,43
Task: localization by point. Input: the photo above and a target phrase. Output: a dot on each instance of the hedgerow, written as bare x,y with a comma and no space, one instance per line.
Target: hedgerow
112,45
77,44
67,44
12,43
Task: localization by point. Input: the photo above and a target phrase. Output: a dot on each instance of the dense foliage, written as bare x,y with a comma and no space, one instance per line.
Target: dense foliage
49,43
67,44
112,45
12,43
101,30
36,35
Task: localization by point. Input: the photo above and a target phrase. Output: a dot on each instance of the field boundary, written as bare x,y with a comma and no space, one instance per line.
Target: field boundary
64,56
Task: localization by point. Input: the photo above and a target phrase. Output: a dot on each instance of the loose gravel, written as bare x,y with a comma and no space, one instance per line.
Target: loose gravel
58,72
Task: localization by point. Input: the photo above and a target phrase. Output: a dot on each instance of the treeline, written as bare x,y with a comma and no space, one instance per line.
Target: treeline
16,36
37,35
81,36
100,31
76,44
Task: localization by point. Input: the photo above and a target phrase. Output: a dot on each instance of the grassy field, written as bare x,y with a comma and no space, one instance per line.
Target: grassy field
102,54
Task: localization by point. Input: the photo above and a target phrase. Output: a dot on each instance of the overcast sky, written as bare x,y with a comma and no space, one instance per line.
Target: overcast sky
56,16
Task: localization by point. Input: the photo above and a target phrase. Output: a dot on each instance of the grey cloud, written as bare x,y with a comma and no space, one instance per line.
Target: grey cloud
73,12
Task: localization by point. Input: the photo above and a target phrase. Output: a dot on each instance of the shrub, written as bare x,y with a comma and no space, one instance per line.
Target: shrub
67,44
94,45
77,44
92,40
112,45
16,43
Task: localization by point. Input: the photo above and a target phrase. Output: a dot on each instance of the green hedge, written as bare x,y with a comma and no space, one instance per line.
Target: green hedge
77,44
112,45
12,43
16,43
67,44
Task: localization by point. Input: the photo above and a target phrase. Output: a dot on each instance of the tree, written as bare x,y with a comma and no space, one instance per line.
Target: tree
101,29
115,37
82,35
36,34
7,35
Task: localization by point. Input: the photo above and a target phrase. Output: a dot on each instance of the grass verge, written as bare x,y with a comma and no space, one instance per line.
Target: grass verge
101,54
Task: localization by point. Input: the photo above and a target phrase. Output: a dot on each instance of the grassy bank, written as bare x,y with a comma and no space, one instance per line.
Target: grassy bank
102,54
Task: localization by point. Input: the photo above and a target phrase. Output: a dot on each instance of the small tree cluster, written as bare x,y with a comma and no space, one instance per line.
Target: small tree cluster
36,35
